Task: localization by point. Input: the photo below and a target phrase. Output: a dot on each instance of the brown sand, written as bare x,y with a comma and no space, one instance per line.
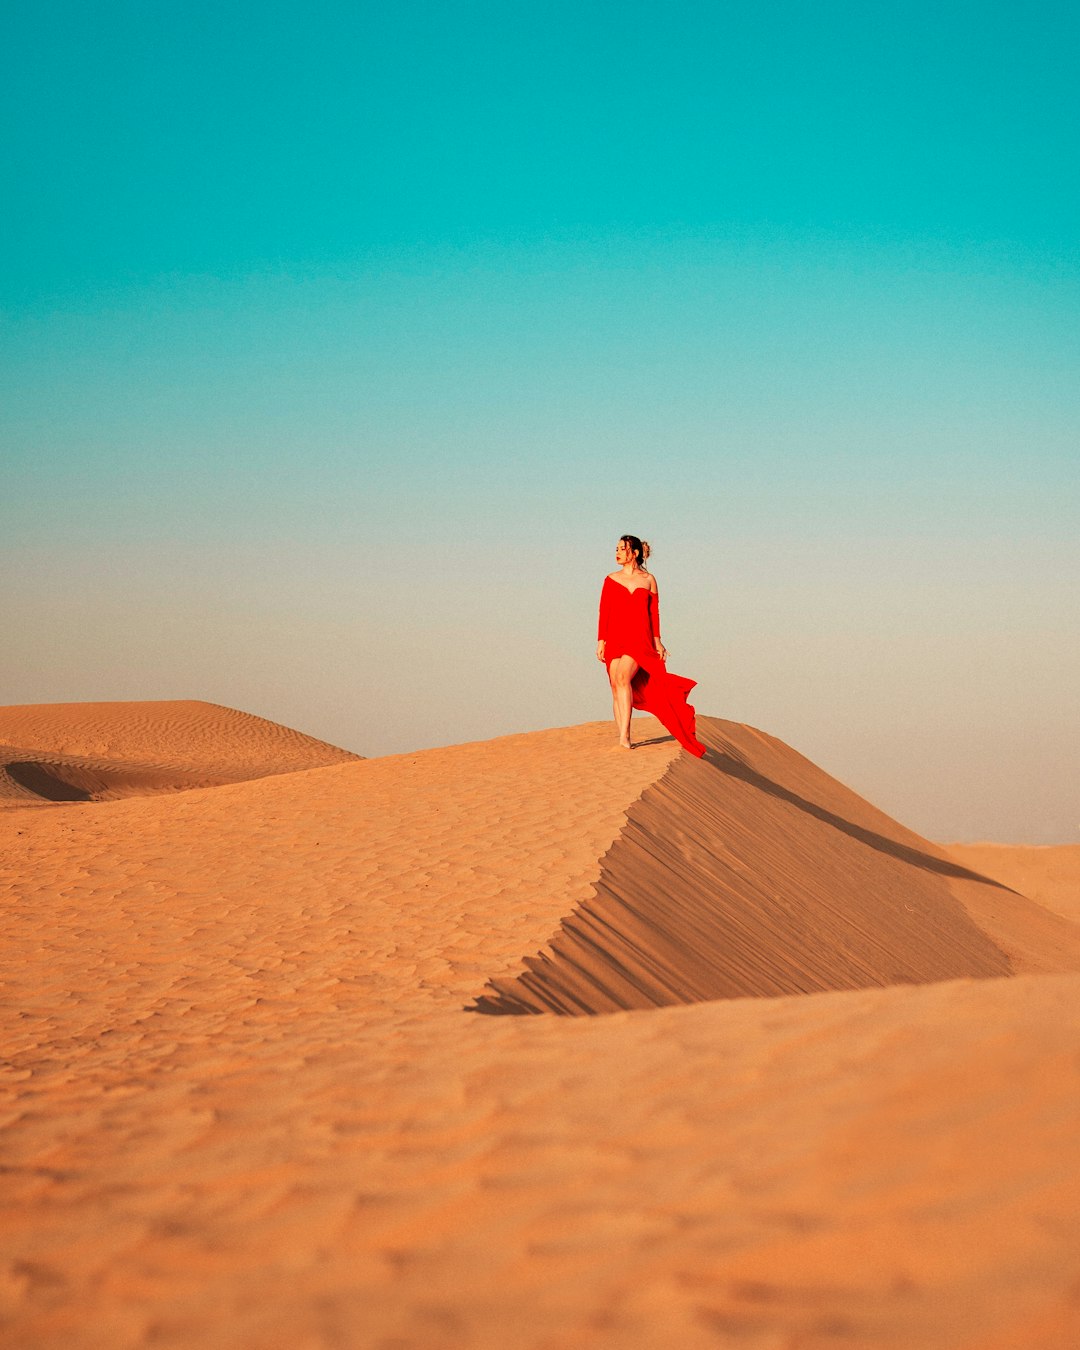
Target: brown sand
244,1105
796,886
58,752
1049,874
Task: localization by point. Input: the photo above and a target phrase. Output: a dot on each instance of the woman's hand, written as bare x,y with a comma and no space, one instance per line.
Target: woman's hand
600,650
661,650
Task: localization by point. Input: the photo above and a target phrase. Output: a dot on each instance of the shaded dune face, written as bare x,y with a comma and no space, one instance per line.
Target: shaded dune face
81,752
754,874
29,778
33,777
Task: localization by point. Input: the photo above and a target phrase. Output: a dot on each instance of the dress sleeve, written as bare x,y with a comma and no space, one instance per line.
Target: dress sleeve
654,614
602,625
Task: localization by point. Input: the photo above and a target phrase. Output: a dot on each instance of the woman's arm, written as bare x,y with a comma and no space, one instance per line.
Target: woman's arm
654,617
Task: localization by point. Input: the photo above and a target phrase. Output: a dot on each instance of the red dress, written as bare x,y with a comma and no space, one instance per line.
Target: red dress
629,626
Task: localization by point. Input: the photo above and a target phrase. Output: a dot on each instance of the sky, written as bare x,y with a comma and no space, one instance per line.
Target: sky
340,342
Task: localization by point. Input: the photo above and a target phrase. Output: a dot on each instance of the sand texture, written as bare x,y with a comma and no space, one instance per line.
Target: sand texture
64,752
245,1103
1048,874
754,873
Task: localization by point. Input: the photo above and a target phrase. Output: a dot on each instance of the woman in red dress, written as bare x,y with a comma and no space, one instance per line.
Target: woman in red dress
628,642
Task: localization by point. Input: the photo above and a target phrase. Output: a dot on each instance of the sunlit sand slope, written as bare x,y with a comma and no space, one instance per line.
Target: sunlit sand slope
52,752
883,1169
752,872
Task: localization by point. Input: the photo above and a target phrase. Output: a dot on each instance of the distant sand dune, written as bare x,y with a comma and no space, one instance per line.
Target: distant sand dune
753,873
78,752
1048,874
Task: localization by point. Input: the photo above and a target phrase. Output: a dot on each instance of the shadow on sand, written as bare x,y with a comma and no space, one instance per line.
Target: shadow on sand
726,763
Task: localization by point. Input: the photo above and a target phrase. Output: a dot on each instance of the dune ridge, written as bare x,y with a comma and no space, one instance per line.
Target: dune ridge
81,752
754,874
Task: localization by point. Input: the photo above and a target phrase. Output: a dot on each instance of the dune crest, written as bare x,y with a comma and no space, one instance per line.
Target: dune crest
755,874
79,752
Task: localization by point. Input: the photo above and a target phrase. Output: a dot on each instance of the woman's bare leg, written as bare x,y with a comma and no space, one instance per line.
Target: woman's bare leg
620,672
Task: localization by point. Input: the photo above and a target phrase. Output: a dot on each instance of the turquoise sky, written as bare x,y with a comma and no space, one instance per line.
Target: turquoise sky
341,342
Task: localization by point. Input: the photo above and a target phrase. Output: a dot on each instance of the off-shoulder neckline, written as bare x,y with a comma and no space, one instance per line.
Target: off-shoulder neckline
630,590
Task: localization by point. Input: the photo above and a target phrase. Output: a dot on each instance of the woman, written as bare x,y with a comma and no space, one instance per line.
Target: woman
628,642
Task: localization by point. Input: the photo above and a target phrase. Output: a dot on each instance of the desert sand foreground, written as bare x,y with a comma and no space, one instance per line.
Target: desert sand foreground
284,1065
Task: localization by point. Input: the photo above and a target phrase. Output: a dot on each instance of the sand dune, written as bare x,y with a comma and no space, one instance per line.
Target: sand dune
81,752
1048,874
754,873
244,1104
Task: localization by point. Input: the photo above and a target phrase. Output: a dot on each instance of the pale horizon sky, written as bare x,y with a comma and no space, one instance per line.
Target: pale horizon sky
339,347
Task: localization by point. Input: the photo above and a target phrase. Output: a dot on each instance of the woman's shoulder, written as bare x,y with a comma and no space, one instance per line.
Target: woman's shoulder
650,581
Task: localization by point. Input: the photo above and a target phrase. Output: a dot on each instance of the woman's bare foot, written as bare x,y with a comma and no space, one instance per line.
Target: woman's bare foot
626,744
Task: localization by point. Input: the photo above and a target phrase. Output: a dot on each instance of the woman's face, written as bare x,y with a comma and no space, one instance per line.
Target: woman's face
623,553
